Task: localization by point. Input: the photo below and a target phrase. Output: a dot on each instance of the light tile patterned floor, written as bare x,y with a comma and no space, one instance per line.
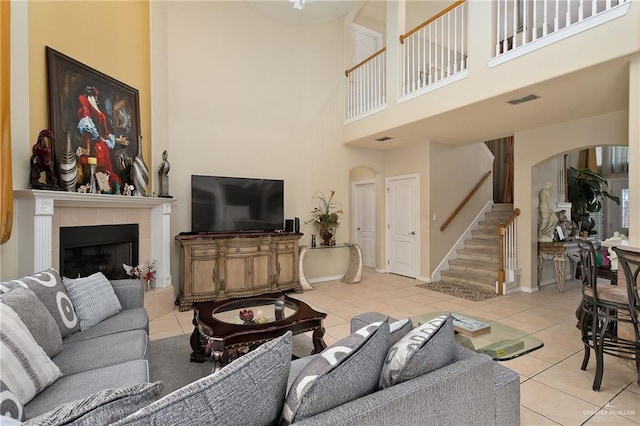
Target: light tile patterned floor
553,388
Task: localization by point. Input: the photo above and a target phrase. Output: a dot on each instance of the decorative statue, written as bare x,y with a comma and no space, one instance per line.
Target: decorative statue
546,217
42,172
163,173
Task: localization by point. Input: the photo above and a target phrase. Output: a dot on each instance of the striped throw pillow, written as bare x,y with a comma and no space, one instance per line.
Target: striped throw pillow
93,298
25,368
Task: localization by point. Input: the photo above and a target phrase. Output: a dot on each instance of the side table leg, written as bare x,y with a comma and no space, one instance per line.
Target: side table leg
561,263
318,341
198,348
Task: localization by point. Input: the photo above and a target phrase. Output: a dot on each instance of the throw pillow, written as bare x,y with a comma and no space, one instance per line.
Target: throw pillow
102,408
25,368
248,391
399,329
36,317
93,297
10,405
346,370
47,285
426,348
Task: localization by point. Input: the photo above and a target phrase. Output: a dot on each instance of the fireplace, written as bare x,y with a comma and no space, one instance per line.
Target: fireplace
85,250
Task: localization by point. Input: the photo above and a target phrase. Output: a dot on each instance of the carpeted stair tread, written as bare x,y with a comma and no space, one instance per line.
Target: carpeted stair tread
478,255
472,265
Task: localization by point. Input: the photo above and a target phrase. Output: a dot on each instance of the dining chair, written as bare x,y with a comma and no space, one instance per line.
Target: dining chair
603,306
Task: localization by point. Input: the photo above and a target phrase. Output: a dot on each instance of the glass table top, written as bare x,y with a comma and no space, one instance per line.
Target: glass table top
254,311
497,340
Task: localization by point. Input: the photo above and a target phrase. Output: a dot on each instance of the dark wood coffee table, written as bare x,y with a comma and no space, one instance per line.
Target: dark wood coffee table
221,334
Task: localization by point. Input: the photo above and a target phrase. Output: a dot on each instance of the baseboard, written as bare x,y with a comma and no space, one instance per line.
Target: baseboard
323,279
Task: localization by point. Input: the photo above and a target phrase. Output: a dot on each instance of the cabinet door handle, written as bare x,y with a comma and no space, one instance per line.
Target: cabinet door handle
237,250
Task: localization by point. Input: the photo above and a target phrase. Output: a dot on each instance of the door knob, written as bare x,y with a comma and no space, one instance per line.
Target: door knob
412,233
358,229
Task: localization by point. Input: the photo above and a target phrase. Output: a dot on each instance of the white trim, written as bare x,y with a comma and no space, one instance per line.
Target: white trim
365,114
324,279
588,23
459,245
488,152
434,86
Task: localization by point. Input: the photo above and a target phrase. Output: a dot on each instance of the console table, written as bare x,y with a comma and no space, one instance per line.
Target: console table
354,271
555,251
226,266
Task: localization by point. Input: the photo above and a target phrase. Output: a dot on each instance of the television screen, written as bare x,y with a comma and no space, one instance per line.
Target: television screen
230,204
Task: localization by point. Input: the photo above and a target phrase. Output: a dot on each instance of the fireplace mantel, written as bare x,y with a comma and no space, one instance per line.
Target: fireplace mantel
34,220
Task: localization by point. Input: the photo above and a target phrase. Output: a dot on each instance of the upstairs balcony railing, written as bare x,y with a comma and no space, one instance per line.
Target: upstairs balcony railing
435,49
531,20
366,89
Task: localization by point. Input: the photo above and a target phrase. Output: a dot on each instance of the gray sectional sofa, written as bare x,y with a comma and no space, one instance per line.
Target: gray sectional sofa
109,355
386,372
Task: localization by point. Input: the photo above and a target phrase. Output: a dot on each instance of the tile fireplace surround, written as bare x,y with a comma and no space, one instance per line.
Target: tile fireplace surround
40,214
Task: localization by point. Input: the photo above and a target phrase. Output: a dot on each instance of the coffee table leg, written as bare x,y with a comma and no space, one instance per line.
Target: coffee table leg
219,355
318,342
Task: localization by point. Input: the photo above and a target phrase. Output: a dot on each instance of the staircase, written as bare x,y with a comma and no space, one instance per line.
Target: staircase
477,262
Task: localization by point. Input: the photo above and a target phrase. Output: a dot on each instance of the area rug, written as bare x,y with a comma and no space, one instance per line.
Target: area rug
458,290
169,360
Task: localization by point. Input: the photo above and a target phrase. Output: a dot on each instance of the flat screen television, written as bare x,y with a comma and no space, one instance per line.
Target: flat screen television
232,204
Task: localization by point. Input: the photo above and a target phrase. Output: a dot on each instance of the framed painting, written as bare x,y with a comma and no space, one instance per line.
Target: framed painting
95,121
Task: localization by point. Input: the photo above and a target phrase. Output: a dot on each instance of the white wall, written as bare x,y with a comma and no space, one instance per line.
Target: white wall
250,97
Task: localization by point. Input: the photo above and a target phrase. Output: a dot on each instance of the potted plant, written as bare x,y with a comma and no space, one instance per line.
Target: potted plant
324,218
586,194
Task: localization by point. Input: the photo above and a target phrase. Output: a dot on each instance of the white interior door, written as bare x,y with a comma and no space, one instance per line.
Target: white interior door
364,42
402,225
364,209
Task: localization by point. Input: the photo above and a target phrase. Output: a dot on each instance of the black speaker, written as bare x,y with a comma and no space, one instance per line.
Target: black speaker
296,225
288,225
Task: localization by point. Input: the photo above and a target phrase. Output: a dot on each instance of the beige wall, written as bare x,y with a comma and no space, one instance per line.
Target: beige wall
534,146
250,97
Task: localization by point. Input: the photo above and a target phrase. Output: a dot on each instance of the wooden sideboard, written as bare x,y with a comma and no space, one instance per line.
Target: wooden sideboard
224,266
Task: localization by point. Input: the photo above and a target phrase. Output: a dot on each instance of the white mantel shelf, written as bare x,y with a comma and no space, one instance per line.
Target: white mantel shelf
77,199
34,217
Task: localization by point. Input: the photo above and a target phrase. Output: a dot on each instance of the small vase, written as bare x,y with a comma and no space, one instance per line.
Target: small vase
140,172
326,237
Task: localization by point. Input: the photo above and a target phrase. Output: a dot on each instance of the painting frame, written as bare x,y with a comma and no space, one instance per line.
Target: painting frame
91,115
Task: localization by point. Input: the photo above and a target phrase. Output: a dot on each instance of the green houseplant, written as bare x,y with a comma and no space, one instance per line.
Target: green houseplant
586,193
324,218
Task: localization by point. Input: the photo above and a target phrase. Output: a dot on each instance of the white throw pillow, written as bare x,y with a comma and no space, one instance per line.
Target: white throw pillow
25,368
93,299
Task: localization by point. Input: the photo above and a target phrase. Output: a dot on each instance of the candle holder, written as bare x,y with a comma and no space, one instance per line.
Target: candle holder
93,162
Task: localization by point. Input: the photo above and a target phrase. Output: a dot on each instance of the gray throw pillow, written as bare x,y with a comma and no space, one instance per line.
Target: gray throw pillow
10,405
47,285
102,408
93,298
36,317
345,371
426,348
248,391
25,368
399,329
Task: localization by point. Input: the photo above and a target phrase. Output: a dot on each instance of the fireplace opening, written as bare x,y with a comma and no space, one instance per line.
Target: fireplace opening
85,250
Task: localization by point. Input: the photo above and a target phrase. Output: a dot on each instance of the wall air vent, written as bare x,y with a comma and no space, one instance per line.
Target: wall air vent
383,138
523,99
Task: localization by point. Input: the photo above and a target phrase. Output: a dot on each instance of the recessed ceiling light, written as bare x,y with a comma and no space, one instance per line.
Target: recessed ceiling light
523,99
382,139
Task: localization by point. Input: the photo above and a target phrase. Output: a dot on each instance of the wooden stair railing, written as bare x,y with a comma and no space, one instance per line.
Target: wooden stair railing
465,201
430,20
364,61
501,252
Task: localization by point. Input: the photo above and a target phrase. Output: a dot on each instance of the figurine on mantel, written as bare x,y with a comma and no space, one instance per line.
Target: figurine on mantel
42,172
163,174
